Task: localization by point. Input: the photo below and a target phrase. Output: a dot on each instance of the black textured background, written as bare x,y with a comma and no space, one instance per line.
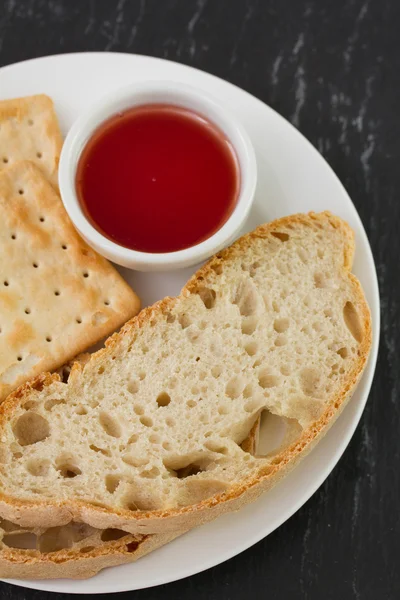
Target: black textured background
332,68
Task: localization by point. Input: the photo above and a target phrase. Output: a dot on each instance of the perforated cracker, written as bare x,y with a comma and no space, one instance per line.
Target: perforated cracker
29,130
57,296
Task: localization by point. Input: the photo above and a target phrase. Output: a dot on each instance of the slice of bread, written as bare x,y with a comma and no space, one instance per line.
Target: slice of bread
146,436
76,550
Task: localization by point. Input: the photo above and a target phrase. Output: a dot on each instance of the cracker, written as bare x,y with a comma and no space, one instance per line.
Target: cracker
57,296
29,130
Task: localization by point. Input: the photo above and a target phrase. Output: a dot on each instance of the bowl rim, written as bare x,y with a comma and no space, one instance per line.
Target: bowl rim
87,123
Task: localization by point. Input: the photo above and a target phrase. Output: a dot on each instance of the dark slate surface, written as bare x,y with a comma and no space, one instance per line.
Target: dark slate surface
331,67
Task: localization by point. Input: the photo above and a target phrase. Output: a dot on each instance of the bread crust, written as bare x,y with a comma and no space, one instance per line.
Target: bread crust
49,513
75,564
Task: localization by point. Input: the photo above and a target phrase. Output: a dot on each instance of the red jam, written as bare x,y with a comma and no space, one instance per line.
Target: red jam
158,178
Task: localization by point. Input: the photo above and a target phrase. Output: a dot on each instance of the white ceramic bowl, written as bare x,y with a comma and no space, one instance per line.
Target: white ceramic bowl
161,92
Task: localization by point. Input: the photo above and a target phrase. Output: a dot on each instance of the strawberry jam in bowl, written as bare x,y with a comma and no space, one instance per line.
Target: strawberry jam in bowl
158,176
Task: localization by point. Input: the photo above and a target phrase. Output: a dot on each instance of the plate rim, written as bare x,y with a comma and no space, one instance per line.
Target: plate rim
367,376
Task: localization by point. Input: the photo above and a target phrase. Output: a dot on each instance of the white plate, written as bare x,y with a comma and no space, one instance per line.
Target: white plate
293,177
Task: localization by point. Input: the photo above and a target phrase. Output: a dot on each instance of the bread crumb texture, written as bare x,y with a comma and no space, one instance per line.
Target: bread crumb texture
274,325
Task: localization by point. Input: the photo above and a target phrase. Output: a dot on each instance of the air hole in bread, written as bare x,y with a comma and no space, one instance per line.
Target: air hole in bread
150,473
302,255
216,371
217,268
281,325
281,340
321,281
248,391
170,422
268,379
154,439
283,268
286,370
5,160
132,546
215,446
234,387
109,535
133,387
193,334
50,404
146,421
112,482
31,428
309,381
81,410
102,450
86,549
110,425
249,325
275,306
208,297
254,268
167,445
191,403
352,321
184,320
133,439
343,352
246,298
251,406
171,318
280,235
8,526
29,405
251,348
187,471
163,399
26,541
57,538
223,409
38,467
67,466
134,461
